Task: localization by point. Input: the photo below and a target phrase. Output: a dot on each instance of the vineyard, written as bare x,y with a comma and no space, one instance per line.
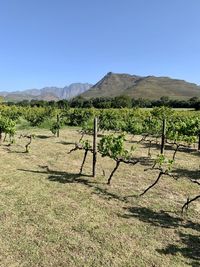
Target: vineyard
88,187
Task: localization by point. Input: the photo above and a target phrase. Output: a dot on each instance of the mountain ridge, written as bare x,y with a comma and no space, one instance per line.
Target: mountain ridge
148,87
47,93
112,85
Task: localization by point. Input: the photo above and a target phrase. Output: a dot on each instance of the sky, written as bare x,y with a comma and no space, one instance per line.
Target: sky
58,42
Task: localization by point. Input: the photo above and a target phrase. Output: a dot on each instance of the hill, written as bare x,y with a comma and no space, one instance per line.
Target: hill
47,93
149,87
111,85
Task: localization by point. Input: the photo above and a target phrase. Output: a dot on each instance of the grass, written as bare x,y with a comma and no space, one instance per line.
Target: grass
52,216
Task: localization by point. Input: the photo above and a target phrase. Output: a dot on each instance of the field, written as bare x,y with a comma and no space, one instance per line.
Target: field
52,216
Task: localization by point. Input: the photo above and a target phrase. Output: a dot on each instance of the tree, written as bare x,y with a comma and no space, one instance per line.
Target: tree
164,100
63,104
122,101
77,102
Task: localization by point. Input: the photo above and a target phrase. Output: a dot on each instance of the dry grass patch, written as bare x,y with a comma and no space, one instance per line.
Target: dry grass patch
52,216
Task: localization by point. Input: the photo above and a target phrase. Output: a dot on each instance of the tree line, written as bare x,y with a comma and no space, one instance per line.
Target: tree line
122,101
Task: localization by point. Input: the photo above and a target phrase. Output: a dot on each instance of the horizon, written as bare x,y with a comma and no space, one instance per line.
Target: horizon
57,43
67,85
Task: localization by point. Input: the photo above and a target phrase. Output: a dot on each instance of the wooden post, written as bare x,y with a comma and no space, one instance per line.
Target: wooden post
94,148
58,124
163,137
199,142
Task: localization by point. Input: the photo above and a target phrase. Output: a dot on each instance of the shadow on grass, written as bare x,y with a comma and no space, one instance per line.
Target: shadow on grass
65,177
197,153
188,246
103,192
18,152
192,174
59,176
170,147
65,143
145,161
8,149
40,136
159,218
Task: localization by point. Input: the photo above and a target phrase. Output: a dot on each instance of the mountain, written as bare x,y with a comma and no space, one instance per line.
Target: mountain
111,85
75,89
149,87
47,93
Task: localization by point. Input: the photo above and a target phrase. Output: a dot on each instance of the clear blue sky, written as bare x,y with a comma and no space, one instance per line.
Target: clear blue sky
57,42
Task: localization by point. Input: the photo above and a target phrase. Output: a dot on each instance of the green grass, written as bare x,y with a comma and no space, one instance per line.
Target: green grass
52,216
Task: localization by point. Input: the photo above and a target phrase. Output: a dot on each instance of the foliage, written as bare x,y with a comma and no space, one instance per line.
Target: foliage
184,130
37,115
55,127
86,145
12,112
7,126
163,163
78,117
113,147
